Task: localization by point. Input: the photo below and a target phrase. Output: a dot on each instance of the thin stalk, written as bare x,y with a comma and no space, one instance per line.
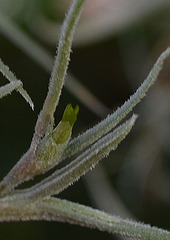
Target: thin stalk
60,67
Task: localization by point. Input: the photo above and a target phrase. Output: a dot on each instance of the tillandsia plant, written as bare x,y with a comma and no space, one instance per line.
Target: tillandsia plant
51,145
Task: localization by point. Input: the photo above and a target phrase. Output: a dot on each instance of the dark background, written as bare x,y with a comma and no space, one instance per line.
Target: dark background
138,172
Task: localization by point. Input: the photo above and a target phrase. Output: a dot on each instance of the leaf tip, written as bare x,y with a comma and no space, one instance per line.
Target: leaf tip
70,114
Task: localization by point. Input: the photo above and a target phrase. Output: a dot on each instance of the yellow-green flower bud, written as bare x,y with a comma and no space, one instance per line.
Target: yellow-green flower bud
52,146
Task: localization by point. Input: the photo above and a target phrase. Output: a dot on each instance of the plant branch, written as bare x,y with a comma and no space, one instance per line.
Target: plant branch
60,68
24,169
54,209
8,88
42,57
4,69
85,216
67,175
112,120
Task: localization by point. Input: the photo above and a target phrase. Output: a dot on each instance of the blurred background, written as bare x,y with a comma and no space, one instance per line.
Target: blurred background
115,46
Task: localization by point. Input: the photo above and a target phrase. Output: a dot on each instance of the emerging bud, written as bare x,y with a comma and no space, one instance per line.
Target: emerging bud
52,146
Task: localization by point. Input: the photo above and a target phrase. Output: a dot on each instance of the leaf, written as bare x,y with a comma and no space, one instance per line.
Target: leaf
62,210
24,168
93,134
67,175
8,88
60,66
70,114
11,77
54,143
43,58
55,209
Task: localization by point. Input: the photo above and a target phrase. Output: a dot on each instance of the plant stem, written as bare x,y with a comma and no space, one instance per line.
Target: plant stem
43,58
23,169
8,88
4,69
60,68
67,175
89,217
112,120
54,209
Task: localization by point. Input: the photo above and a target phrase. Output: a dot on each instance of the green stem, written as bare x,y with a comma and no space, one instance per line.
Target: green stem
112,120
4,69
60,67
67,175
42,57
22,171
54,209
8,88
89,217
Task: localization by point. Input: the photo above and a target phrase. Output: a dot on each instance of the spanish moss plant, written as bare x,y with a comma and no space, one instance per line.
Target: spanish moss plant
52,144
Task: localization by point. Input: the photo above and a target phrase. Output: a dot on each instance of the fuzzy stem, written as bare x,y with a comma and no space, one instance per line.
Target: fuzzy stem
8,88
23,169
91,135
54,209
67,175
44,59
4,69
60,68
89,217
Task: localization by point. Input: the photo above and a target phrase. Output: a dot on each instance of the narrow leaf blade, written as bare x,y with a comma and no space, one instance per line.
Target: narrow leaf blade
67,175
8,88
93,134
4,69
